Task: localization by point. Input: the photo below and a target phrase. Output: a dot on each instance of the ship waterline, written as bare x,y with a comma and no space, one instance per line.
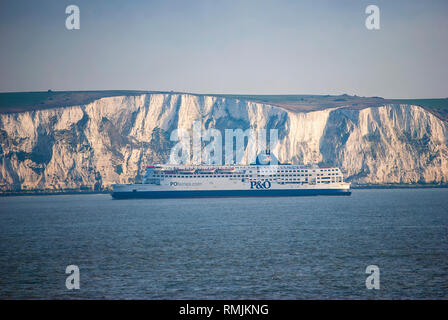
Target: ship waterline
138,191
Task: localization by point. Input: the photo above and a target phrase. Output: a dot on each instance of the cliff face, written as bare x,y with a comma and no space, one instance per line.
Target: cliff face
111,140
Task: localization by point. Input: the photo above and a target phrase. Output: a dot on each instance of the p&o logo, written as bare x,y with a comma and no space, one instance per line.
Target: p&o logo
260,184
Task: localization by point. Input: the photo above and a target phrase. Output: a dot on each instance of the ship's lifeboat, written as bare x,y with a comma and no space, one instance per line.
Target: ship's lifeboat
227,170
186,171
211,170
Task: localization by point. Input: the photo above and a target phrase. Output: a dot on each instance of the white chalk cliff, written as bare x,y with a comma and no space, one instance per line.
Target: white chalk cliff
112,139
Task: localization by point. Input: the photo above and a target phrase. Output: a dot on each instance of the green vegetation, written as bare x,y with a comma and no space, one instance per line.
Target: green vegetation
437,106
305,103
26,101
269,98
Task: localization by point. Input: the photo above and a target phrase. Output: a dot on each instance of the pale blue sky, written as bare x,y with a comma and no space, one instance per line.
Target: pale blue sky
246,47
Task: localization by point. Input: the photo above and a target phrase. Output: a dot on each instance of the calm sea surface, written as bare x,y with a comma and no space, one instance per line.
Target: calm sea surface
269,248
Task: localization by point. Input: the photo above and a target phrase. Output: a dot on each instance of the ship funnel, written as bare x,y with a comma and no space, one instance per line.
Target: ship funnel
267,158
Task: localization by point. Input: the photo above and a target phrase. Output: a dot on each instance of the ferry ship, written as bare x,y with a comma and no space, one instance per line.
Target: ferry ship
265,178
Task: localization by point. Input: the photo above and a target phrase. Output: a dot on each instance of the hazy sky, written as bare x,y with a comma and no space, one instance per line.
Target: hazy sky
207,46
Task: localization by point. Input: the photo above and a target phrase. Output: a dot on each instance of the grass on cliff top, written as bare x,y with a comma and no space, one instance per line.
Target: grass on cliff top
11,102
25,101
311,102
439,104
436,104
438,107
319,102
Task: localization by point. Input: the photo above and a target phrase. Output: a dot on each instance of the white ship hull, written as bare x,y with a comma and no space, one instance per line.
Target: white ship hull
195,189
